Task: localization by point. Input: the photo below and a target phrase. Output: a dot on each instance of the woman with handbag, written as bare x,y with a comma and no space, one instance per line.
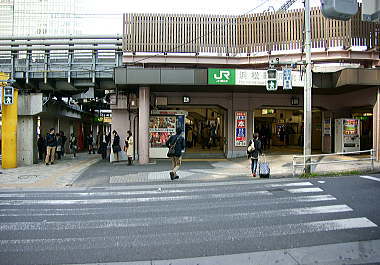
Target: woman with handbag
116,145
129,147
253,151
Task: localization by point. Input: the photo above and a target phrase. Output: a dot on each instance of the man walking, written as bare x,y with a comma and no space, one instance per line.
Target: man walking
51,145
176,144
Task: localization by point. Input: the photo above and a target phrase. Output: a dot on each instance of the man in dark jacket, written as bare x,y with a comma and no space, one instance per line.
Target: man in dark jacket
41,145
51,145
177,143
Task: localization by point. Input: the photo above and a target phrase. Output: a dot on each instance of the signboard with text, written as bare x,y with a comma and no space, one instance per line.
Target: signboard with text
287,78
221,76
244,77
327,127
240,128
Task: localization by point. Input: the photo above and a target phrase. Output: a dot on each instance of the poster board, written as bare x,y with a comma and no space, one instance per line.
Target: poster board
327,127
163,124
241,128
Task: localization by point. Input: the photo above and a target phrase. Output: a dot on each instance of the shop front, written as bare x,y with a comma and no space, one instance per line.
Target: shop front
220,109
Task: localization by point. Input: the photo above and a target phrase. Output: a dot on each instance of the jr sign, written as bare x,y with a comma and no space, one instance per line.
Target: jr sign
221,76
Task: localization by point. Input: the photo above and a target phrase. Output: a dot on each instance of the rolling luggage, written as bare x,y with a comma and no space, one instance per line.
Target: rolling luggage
264,169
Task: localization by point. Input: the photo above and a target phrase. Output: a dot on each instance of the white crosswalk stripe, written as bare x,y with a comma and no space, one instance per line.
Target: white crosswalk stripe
151,216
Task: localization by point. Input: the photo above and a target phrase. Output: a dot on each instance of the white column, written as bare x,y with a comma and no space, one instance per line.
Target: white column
144,102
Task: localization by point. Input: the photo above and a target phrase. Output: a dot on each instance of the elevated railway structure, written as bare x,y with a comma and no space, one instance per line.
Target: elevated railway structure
64,64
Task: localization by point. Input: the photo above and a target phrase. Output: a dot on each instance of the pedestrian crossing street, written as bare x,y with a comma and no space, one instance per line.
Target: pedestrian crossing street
173,220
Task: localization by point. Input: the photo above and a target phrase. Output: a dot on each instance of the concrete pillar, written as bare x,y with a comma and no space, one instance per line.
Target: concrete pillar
26,140
376,125
144,103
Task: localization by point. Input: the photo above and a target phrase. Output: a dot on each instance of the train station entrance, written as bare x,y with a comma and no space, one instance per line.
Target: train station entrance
205,131
281,129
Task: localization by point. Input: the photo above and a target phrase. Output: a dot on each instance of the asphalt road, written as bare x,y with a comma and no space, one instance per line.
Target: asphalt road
184,220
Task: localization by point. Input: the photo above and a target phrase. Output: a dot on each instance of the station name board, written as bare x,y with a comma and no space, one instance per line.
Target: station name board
245,77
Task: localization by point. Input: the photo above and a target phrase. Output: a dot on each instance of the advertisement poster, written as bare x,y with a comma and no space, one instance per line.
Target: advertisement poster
327,127
351,127
160,129
240,128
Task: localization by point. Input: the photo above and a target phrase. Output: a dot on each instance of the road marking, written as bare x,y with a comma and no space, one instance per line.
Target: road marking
304,190
135,200
295,184
351,251
371,178
163,208
157,239
152,221
177,185
127,193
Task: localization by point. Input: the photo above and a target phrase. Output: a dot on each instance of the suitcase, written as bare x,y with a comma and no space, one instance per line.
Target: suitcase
264,169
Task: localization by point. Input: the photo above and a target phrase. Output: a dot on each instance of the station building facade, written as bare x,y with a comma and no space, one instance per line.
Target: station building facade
210,73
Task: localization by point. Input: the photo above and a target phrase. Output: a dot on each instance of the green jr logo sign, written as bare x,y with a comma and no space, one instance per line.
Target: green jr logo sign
221,76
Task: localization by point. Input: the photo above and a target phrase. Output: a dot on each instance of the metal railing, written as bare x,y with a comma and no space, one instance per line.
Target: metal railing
308,159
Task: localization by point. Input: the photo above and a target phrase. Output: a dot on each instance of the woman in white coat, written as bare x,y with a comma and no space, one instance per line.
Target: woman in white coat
129,147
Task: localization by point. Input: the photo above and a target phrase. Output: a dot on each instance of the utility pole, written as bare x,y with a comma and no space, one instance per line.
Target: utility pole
307,90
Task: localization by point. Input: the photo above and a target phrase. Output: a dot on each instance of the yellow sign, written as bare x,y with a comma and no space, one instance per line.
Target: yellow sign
9,130
107,119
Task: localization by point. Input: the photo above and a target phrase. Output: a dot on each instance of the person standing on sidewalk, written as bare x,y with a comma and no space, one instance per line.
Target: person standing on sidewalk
129,147
90,143
176,144
103,145
73,145
253,151
58,150
63,139
116,145
51,143
41,145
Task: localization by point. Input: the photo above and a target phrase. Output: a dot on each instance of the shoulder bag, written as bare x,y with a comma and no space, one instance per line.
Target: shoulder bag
171,151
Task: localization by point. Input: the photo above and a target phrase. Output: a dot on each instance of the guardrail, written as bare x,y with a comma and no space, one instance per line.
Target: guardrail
308,159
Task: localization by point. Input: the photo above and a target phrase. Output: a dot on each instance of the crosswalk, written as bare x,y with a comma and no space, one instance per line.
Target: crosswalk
175,220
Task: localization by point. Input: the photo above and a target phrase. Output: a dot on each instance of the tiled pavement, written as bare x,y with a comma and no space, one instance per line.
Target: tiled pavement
192,170
63,172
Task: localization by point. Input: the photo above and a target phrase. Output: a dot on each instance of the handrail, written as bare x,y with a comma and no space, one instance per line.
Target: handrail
305,163
341,153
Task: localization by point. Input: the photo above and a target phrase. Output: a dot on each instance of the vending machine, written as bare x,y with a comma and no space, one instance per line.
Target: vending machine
347,135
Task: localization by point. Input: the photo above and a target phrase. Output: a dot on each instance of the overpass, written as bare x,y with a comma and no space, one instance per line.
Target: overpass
65,65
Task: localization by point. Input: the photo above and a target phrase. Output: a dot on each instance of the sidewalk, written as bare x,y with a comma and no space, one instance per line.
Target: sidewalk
89,170
63,173
206,170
